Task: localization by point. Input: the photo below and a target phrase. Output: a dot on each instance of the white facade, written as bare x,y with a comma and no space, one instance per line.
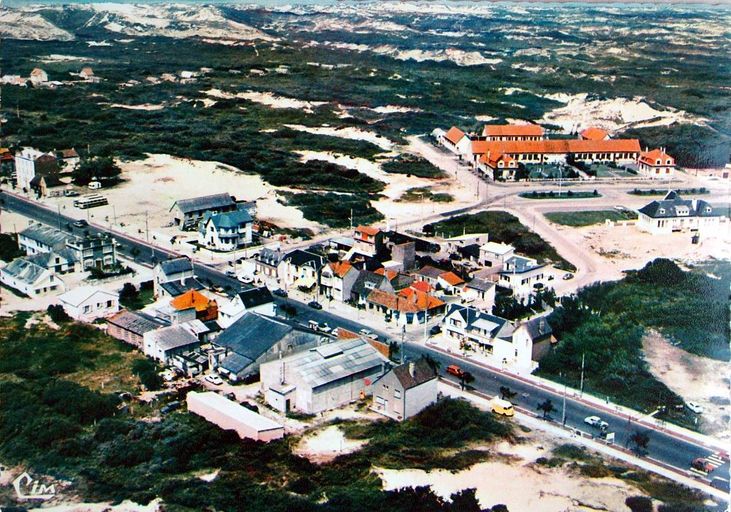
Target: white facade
405,391
88,303
521,275
227,236
30,279
25,166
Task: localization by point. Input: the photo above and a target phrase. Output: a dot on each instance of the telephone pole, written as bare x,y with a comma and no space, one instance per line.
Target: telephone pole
581,385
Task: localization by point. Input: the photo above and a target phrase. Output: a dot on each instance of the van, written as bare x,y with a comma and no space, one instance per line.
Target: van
502,407
95,185
314,325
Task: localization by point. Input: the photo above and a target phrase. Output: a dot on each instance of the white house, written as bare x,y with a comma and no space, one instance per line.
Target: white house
480,293
675,214
656,164
162,344
30,279
521,275
87,303
29,163
300,268
494,255
254,300
337,280
405,390
535,336
225,231
174,277
456,141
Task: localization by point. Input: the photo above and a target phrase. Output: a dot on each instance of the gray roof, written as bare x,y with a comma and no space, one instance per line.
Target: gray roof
480,284
269,257
227,220
300,258
335,361
136,322
538,328
252,335
236,363
429,271
367,281
176,265
414,374
46,235
24,270
46,259
196,204
519,264
476,319
669,207
174,336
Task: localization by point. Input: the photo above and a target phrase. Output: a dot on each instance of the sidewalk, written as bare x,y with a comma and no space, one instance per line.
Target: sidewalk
443,345
530,419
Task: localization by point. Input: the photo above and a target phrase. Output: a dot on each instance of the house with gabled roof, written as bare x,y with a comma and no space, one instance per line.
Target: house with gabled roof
225,231
193,305
535,335
189,212
675,214
656,164
131,326
367,240
405,390
253,300
407,306
87,303
502,132
455,140
300,268
38,238
162,344
266,262
30,279
31,163
337,279
365,283
450,282
174,277
522,275
479,293
61,261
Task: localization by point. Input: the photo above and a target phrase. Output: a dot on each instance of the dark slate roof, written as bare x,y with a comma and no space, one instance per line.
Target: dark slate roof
255,297
227,220
480,284
236,363
474,318
136,322
538,328
24,270
367,281
269,257
196,204
46,235
252,335
422,373
669,206
45,259
176,265
429,271
300,258
175,288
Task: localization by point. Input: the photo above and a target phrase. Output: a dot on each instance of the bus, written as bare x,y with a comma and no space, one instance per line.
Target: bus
90,201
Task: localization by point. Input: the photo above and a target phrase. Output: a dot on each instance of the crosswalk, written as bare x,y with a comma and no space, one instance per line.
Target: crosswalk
715,460
712,462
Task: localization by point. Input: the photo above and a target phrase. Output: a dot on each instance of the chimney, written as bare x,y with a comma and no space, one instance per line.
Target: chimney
412,367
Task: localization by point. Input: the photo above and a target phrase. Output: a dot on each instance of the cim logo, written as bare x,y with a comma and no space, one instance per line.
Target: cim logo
28,489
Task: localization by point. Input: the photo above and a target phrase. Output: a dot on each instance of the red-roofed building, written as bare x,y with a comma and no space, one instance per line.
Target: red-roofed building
656,164
450,282
368,240
498,165
407,306
337,279
593,133
505,132
456,141
193,305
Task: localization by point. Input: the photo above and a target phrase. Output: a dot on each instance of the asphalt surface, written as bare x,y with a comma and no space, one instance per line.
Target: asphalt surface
666,448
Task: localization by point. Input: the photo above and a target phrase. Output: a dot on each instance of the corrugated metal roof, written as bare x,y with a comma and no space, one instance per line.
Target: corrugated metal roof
195,204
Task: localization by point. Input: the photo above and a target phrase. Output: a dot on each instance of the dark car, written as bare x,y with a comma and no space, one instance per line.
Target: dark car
435,330
172,406
280,293
81,223
314,304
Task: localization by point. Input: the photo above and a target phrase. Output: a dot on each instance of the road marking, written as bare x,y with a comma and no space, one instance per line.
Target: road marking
715,460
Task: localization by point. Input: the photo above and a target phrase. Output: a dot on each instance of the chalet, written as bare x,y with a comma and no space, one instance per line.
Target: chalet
521,275
87,303
29,278
675,214
254,339
367,240
300,268
337,280
131,326
174,277
405,390
656,164
31,163
503,132
189,212
225,231
254,300
325,377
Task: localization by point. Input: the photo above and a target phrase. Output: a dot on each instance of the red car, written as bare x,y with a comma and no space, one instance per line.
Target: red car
702,464
455,370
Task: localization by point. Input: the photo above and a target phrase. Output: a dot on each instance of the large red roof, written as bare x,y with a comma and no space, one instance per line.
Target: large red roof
454,135
512,130
563,146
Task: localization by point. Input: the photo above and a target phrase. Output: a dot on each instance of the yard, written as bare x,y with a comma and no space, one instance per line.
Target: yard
589,217
607,171
550,171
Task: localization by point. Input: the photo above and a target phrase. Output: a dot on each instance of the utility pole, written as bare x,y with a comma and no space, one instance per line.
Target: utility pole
563,416
401,352
59,217
351,218
147,228
581,385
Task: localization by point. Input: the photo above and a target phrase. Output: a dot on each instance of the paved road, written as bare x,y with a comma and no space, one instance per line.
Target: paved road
664,447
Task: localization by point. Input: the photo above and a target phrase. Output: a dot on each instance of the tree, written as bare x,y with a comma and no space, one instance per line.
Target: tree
639,504
547,408
506,393
147,371
393,350
639,442
9,247
99,168
464,501
57,313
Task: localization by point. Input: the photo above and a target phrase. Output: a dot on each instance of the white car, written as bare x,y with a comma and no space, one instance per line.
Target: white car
246,279
213,379
325,328
694,407
596,421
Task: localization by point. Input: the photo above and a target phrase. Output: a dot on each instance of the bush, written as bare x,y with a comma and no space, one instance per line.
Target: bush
57,313
9,249
639,504
148,373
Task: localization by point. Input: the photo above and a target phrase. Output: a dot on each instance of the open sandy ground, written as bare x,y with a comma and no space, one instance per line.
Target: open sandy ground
695,378
326,444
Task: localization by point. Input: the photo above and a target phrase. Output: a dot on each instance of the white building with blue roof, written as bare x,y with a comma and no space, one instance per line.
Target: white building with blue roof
675,214
225,231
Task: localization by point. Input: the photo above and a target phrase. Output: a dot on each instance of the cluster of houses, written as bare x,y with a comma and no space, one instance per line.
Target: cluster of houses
39,78
37,171
51,253
500,150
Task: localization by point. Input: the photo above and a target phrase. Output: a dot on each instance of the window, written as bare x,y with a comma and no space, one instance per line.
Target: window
87,308
109,303
397,393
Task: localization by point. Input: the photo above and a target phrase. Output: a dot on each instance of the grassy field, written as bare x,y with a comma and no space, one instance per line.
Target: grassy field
503,227
588,217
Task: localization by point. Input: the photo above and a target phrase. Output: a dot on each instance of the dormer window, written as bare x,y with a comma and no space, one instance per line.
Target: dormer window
668,162
661,211
658,162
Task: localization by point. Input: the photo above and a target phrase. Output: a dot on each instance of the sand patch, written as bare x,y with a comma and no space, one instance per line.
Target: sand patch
326,444
125,506
695,378
267,98
143,106
347,132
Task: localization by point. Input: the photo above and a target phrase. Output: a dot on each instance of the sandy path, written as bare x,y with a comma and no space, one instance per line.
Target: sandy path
695,378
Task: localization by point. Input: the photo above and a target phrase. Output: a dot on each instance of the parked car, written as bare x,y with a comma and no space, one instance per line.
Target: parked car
172,406
71,193
314,304
335,332
280,293
231,273
568,276
694,407
214,379
365,332
502,407
701,464
455,370
81,223
246,279
435,330
324,327
596,422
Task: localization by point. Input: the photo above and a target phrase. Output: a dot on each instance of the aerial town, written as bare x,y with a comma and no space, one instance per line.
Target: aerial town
517,305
